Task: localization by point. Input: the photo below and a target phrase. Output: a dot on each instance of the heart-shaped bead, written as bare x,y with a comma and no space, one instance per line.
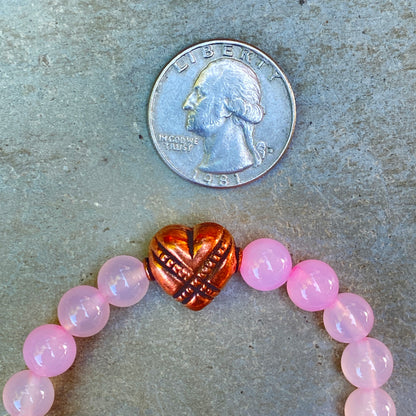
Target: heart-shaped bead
192,264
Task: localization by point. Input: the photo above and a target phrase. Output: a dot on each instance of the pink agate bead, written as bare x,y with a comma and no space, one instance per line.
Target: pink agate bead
350,318
83,311
367,363
49,350
26,394
266,264
122,281
362,402
312,285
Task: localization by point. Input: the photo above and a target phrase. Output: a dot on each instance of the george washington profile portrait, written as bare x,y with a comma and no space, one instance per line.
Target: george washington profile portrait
223,107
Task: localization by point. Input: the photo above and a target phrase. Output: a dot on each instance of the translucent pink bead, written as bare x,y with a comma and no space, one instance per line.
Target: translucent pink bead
49,350
312,285
350,318
362,402
123,281
83,311
367,364
26,394
266,264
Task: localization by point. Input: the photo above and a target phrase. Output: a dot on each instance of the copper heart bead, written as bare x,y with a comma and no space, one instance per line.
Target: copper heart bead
192,264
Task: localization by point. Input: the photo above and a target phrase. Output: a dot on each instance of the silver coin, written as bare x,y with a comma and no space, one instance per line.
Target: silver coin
221,113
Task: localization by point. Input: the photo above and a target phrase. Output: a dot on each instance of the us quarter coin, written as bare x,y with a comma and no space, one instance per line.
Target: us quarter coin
221,113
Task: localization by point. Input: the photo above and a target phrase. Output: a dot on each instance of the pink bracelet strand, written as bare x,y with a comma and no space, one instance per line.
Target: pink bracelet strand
266,264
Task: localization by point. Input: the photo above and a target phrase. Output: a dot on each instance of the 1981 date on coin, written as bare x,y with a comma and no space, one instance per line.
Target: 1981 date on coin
221,113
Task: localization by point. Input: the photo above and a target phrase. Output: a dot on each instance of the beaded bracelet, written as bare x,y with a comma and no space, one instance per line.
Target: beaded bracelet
193,265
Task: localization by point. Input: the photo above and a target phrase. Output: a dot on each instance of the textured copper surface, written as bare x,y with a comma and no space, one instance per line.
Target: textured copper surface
192,264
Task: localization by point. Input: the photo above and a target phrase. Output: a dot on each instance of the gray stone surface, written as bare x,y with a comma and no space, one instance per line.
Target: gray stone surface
80,182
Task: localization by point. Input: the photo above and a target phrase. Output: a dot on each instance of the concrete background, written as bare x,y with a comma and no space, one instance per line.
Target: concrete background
80,182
